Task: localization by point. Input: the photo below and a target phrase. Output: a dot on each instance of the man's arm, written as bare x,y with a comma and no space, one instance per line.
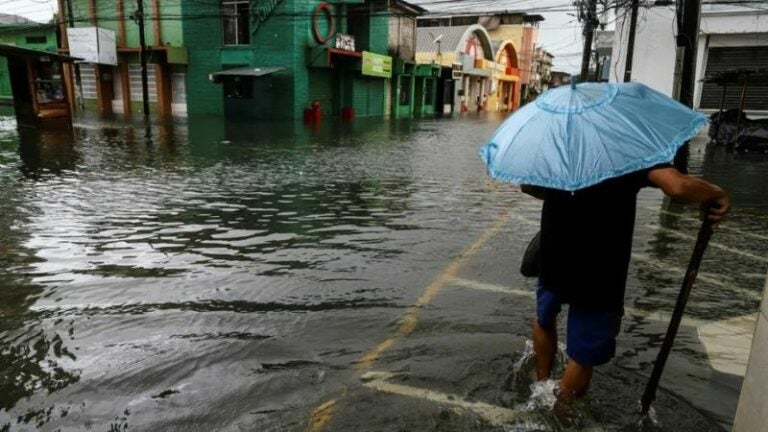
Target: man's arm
534,191
713,199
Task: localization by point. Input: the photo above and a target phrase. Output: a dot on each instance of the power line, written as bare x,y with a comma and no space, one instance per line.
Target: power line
459,6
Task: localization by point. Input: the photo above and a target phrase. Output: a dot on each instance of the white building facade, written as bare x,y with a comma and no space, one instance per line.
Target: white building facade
731,36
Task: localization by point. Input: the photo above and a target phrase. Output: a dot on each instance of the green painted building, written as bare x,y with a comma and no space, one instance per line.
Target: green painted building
116,87
262,59
280,58
25,34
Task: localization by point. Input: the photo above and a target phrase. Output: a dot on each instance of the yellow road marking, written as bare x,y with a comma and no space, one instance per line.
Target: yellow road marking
495,415
322,415
409,320
484,286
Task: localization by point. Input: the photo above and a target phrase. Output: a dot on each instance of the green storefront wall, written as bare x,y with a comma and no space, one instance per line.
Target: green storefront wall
170,23
426,88
41,37
283,35
403,90
167,48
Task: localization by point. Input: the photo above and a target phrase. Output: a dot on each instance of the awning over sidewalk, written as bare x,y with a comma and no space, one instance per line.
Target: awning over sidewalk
249,71
15,51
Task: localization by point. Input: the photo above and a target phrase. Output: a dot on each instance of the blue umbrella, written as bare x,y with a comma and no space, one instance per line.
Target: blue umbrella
576,136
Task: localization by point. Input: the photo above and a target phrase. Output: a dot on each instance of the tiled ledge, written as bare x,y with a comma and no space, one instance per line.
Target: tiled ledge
752,413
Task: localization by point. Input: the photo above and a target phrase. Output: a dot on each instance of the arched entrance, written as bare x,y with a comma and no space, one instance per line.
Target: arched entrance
476,85
508,77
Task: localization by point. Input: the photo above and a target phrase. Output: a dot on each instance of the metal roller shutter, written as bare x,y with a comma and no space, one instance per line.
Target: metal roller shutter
321,90
88,80
730,58
134,75
376,94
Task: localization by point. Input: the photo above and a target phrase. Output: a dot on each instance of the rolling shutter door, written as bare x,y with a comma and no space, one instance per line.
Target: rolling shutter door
88,81
134,75
321,90
730,58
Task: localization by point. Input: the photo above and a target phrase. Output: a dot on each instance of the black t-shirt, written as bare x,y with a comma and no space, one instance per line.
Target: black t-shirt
586,241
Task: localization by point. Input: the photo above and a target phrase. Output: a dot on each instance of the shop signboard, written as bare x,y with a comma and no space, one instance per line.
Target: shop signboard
345,42
377,65
93,45
456,70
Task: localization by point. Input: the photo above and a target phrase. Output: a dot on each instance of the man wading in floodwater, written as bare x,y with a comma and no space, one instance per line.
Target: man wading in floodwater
586,241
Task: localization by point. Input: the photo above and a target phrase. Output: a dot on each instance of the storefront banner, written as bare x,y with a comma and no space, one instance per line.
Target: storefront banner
93,45
377,65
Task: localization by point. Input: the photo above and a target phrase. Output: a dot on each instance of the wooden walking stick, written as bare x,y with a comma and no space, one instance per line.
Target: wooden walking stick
705,232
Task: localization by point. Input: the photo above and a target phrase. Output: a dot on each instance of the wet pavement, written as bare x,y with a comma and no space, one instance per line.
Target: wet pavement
199,275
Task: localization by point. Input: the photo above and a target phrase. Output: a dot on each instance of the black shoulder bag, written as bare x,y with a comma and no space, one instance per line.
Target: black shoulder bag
532,257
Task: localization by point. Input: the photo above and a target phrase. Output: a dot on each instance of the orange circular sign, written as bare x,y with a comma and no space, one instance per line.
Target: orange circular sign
323,9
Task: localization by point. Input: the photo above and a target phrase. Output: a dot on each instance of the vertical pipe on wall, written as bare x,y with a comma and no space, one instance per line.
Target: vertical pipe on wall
143,57
120,6
156,23
78,77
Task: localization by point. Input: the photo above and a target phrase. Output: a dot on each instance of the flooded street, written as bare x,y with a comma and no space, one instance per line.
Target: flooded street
201,275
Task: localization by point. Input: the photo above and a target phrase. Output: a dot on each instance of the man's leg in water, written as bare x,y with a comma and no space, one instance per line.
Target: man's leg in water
573,385
591,342
575,381
545,348
545,331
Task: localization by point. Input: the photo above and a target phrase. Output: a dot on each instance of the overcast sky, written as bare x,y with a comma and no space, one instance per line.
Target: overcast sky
37,10
559,33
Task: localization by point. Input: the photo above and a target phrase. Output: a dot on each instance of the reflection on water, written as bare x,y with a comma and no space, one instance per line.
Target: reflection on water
230,276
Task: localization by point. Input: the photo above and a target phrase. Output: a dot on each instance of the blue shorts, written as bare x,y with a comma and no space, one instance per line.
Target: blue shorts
591,335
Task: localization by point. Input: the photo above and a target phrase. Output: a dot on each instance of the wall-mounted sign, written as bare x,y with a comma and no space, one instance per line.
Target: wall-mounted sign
93,45
457,70
261,11
345,42
377,65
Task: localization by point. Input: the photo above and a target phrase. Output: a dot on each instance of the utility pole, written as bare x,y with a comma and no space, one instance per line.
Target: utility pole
78,77
631,41
138,16
590,23
687,40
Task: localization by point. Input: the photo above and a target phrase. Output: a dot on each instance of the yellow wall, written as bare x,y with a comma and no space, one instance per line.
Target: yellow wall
445,59
513,33
524,38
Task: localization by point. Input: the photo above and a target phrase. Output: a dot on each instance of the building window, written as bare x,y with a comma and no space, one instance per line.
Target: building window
464,21
37,40
235,18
